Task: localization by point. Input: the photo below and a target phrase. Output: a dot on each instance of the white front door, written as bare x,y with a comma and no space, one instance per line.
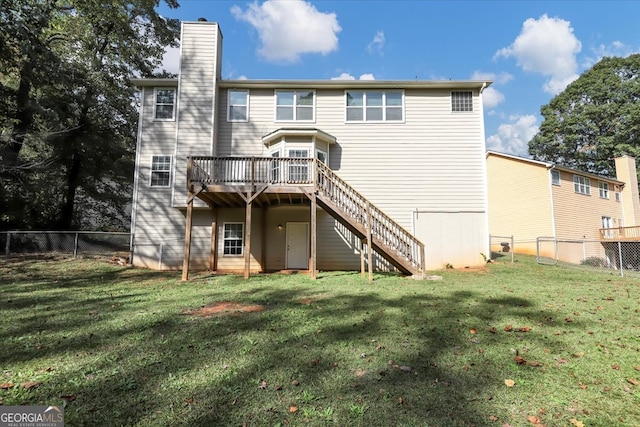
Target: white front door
297,245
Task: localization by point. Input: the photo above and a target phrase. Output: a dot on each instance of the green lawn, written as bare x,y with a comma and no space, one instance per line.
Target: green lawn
125,346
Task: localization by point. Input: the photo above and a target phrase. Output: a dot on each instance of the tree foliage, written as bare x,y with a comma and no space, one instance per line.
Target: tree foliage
596,118
68,115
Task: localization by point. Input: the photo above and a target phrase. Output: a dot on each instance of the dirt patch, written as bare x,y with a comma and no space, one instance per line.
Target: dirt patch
224,308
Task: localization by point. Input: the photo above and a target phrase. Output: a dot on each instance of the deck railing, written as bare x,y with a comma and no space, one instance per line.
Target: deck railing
620,233
251,170
299,171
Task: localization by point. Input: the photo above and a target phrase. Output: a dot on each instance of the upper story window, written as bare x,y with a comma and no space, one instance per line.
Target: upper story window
603,188
295,105
160,171
164,104
582,184
462,101
238,106
618,196
555,177
374,106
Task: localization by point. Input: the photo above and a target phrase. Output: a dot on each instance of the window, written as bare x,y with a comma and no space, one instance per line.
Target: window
238,106
299,169
160,171
295,105
555,177
618,196
581,184
275,166
233,233
462,101
604,190
374,106
165,104
322,156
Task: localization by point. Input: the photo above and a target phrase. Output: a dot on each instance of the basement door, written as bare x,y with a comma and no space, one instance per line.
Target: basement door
297,246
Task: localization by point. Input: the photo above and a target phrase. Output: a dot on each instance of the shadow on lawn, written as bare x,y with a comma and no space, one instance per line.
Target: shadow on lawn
329,344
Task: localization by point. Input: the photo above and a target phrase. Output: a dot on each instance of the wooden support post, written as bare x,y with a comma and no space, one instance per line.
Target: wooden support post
247,238
362,267
369,243
263,239
213,256
314,238
187,239
423,260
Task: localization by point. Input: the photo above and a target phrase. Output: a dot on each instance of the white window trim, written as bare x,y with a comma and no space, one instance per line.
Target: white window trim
582,183
556,173
603,190
383,106
224,225
155,104
461,111
247,99
295,95
326,155
167,171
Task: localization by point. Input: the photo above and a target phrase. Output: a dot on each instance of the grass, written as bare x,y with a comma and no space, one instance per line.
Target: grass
126,346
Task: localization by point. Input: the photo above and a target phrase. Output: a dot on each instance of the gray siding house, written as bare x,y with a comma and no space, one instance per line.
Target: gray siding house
267,175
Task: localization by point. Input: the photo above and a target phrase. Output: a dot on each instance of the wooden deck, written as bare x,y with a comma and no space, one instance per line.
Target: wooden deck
620,234
264,181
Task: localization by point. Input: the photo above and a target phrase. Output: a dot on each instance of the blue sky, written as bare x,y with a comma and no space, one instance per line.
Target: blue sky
530,49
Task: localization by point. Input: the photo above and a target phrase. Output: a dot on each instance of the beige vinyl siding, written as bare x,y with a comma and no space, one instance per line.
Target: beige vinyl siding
400,167
626,172
197,94
520,202
578,216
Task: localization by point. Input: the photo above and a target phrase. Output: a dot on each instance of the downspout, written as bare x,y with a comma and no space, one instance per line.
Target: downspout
485,181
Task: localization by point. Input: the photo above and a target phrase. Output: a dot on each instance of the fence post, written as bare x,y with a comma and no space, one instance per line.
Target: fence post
75,246
6,249
620,256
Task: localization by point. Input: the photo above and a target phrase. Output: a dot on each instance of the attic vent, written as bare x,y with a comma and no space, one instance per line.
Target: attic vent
202,19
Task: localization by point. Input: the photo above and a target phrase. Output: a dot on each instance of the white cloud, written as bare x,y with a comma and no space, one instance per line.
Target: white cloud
347,76
344,76
491,97
513,137
377,43
546,46
496,78
616,48
288,29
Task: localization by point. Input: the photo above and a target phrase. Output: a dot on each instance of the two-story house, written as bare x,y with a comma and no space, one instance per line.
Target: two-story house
529,199
268,175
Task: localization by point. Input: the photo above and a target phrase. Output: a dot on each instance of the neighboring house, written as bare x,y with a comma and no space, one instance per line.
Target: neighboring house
530,199
267,175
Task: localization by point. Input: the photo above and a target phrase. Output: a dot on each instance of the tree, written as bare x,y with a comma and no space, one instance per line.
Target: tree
68,120
596,118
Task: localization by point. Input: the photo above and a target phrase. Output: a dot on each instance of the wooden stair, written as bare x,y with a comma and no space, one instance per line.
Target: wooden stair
354,211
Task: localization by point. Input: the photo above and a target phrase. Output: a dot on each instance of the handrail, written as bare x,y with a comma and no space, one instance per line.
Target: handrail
299,171
383,228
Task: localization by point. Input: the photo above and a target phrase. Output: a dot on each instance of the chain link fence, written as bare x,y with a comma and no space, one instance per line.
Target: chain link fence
501,246
621,256
75,243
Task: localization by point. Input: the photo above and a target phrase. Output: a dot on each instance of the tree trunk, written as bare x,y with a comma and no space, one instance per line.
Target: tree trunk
23,117
73,175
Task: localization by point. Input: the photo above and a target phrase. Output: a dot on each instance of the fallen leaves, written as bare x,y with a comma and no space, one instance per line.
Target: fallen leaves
293,409
520,360
576,423
509,382
633,381
30,385
6,386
